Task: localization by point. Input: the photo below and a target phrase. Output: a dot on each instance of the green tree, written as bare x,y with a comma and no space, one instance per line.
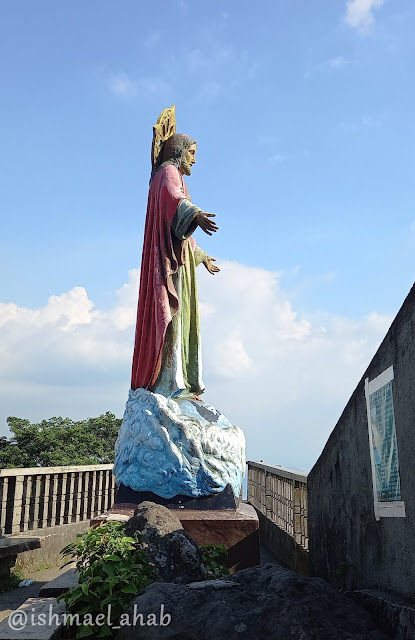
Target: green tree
59,442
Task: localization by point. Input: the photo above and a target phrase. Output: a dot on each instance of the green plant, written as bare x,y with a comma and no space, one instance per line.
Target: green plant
10,582
214,558
112,569
44,566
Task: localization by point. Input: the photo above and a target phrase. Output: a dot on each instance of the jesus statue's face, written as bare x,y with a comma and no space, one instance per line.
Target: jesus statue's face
188,160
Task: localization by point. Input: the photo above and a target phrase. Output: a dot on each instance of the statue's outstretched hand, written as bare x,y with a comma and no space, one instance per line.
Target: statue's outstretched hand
205,223
212,268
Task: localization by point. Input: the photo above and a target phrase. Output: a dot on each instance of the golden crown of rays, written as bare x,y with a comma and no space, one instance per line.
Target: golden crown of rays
163,129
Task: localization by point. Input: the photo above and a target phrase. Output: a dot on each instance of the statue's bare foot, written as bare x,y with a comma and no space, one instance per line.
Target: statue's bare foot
195,397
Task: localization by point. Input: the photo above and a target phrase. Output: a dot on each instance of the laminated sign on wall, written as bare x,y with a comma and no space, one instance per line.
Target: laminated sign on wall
383,446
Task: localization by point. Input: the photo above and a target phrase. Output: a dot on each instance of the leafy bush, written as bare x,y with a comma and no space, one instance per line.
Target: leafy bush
214,558
112,569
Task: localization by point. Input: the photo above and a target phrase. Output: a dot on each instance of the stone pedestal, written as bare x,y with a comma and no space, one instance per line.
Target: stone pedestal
237,530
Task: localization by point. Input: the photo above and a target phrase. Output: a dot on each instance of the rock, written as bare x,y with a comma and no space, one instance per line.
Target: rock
174,553
266,602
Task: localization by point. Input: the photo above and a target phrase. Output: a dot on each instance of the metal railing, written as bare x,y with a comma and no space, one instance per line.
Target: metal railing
42,497
280,495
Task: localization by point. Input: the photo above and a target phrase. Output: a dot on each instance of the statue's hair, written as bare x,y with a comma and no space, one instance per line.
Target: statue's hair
173,151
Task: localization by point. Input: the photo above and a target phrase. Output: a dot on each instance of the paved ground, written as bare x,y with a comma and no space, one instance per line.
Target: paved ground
11,600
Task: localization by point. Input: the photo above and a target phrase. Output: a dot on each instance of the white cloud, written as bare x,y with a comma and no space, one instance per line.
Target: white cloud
121,85
152,40
359,13
277,158
284,378
365,122
215,56
337,63
210,89
328,66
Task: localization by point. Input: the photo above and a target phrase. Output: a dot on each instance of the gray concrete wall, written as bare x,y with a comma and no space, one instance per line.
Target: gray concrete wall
53,541
347,545
283,546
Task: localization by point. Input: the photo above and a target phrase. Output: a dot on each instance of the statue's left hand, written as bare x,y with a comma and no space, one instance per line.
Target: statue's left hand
212,268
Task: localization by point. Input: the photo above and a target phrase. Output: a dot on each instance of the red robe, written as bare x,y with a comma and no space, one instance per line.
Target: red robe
162,256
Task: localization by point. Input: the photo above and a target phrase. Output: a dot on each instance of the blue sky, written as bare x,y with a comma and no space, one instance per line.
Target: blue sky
303,114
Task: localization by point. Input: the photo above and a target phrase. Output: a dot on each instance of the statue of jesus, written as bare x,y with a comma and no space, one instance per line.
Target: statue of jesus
172,447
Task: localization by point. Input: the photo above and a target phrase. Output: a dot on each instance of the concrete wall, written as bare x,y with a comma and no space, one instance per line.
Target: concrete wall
54,539
283,546
347,545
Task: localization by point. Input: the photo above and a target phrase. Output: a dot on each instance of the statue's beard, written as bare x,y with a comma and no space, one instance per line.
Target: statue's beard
186,168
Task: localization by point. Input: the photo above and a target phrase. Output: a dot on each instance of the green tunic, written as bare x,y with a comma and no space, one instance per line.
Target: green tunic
181,360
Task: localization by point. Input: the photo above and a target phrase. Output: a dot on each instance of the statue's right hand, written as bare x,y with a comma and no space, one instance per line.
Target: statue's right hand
205,223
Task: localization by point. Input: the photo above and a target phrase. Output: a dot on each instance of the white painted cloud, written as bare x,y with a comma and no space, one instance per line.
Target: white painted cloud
359,13
284,378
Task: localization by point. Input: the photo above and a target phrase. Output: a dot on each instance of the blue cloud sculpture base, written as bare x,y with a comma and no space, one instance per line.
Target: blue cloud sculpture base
177,447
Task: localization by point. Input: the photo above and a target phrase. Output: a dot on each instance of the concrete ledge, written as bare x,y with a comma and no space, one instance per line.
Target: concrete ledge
395,613
288,553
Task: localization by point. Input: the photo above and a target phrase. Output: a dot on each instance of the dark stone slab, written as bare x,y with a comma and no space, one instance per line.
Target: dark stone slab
224,500
12,545
59,585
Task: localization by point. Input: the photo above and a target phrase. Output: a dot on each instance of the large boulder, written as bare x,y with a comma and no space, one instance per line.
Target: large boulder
173,552
266,602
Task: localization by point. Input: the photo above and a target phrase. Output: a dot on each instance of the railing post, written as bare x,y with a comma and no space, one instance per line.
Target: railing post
26,505
62,500
36,499
297,514
4,486
268,495
17,502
